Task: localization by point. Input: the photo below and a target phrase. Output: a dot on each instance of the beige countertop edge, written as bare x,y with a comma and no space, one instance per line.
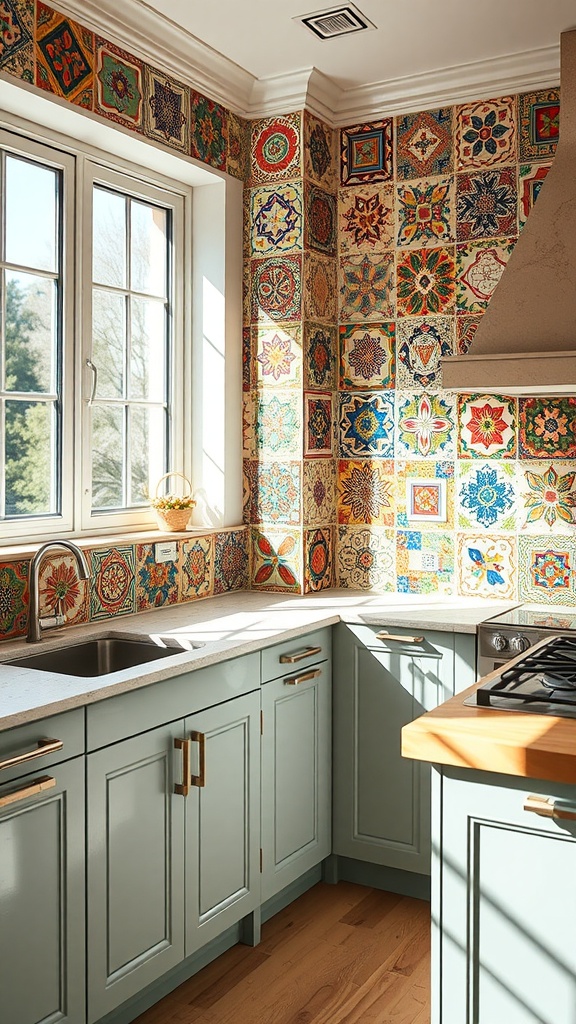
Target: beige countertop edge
230,625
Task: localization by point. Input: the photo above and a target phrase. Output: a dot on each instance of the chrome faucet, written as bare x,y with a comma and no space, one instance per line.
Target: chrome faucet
36,624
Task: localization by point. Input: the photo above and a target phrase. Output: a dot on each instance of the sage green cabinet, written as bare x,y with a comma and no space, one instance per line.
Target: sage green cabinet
296,760
383,679
504,902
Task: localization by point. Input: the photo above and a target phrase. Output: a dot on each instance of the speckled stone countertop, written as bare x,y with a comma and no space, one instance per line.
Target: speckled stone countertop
229,626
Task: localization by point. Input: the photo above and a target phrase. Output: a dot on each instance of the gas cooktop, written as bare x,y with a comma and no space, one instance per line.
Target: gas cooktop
542,681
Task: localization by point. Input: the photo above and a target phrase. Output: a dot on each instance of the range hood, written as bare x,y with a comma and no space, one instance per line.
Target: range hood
526,341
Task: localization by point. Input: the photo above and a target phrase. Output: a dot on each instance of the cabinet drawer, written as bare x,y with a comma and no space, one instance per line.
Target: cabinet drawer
293,656
62,736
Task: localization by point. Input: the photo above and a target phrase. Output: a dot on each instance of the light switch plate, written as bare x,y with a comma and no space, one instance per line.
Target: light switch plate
165,551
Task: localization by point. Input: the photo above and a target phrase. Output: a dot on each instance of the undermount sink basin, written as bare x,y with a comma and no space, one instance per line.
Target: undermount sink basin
100,656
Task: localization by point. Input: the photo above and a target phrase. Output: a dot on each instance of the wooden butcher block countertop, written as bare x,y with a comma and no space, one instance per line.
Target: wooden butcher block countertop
514,743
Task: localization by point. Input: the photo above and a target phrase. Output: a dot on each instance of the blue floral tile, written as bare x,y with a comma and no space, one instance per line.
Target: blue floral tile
276,497
547,569
276,219
486,132
487,204
487,565
366,425
486,495
156,582
166,110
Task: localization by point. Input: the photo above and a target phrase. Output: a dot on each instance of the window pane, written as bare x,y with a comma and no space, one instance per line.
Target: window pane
108,342
109,238
148,249
30,470
147,465
31,208
30,333
148,352
107,457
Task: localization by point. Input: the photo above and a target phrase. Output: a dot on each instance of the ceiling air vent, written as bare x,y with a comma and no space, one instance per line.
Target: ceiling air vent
337,21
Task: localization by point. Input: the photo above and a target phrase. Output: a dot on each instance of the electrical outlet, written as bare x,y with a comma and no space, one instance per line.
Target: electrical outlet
165,551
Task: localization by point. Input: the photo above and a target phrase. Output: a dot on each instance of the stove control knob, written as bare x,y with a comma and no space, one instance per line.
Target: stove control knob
519,644
499,642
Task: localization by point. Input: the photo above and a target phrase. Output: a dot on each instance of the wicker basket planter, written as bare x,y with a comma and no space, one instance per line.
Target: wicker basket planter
173,519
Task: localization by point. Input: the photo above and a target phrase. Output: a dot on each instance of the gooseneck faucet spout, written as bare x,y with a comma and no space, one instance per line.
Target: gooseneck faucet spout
36,624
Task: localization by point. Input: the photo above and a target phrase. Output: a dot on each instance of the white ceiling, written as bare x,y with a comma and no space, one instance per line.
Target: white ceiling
253,55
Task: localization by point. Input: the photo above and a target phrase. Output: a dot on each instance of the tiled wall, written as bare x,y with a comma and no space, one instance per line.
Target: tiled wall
371,254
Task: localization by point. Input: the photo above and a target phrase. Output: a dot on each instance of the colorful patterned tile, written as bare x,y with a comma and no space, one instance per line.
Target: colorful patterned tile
479,267
278,356
278,424
487,566
320,345
248,424
426,425
276,219
17,39
230,561
547,570
320,152
275,148
318,559
166,110
440,473
531,179
208,131
320,221
486,495
539,116
156,582
425,213
59,585
113,590
366,558
238,161
425,281
420,345
320,289
466,327
367,288
247,360
318,425
487,427
487,204
318,491
119,85
367,356
276,558
366,152
424,562
366,492
276,289
366,425
64,57
249,467
366,218
13,598
277,493
425,143
486,133
547,496
547,428
196,557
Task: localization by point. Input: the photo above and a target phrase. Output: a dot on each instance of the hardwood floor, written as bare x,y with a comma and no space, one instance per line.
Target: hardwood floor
340,954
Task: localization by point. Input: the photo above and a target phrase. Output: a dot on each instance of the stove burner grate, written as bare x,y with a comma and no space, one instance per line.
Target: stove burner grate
545,676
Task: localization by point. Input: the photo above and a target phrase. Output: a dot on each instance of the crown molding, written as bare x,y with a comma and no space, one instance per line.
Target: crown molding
163,43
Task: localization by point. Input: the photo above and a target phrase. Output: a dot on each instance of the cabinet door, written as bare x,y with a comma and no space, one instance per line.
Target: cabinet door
223,818
42,887
508,910
382,800
296,775
135,866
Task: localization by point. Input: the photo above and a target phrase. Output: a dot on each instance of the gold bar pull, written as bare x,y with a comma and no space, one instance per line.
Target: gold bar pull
200,739
296,680
38,785
307,652
548,807
183,788
44,747
400,639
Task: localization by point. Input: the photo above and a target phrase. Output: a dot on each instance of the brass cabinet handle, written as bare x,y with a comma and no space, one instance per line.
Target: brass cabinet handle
401,639
44,747
307,652
31,789
200,739
548,807
183,788
296,680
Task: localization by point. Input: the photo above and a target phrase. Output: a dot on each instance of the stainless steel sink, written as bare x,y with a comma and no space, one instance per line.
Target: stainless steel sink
101,655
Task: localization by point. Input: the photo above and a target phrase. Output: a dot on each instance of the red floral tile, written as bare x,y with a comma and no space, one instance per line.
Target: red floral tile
487,427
